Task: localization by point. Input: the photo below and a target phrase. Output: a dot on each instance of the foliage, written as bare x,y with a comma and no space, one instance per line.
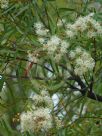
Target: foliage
28,66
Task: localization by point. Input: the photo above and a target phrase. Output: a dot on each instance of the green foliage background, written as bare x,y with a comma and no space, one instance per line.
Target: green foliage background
17,36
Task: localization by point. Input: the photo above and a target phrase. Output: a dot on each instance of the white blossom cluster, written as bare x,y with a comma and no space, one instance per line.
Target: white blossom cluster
4,3
86,24
36,120
40,29
54,45
82,60
39,118
61,22
33,57
43,100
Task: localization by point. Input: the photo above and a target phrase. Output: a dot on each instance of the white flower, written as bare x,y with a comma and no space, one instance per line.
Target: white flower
43,100
72,54
85,55
42,119
32,57
64,43
91,34
83,63
41,40
41,32
40,29
69,26
80,25
38,25
79,61
78,50
98,28
90,15
39,118
58,57
52,44
48,101
51,49
44,93
54,40
4,3
90,63
80,70
83,24
64,46
58,122
36,120
70,33
38,99
61,22
26,120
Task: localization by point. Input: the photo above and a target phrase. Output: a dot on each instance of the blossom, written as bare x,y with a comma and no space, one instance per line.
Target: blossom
72,54
84,24
43,100
39,118
78,50
80,25
38,25
61,22
32,57
40,29
79,61
54,40
83,63
51,49
42,119
44,93
26,121
57,57
64,46
52,44
41,40
38,100
70,33
58,122
41,32
4,3
36,120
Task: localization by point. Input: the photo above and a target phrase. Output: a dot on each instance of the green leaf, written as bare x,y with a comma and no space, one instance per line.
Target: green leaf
1,83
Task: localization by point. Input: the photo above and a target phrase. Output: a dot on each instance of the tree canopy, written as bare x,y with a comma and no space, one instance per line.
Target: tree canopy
50,67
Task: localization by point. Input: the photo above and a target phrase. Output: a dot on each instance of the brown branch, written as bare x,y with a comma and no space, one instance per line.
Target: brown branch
84,90
26,60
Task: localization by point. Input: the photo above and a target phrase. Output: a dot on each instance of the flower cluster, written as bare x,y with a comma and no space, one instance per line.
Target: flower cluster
57,46
33,57
82,60
43,100
54,45
61,22
4,3
40,29
84,24
39,118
